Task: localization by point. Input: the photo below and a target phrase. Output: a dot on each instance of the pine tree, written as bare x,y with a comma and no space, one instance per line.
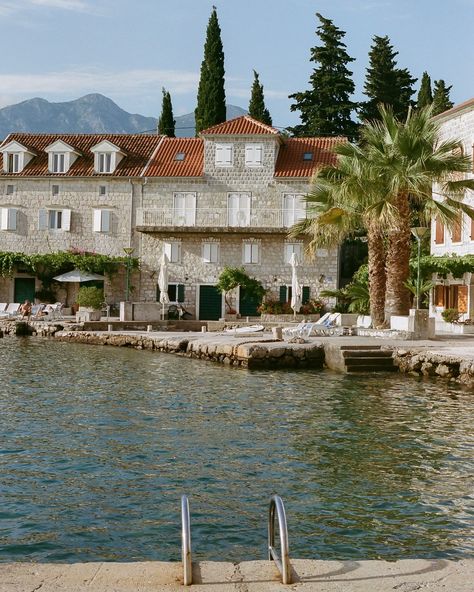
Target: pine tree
441,100
211,107
166,122
326,108
385,83
425,96
257,108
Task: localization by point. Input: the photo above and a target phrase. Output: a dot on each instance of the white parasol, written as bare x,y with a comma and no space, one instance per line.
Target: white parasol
296,289
163,283
78,276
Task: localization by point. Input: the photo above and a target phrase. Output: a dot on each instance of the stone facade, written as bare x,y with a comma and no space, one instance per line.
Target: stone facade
456,123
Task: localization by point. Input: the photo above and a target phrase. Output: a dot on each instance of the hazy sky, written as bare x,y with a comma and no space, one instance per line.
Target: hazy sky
63,49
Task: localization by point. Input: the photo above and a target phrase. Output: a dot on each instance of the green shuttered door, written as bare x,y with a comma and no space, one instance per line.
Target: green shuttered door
210,303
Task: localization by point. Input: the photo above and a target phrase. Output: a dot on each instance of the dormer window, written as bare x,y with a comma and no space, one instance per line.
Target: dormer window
15,157
59,162
106,157
104,160
61,156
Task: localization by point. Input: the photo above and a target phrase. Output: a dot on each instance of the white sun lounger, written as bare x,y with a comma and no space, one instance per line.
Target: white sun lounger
3,306
11,310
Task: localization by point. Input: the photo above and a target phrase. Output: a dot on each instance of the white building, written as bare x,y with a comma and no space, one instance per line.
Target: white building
226,198
457,123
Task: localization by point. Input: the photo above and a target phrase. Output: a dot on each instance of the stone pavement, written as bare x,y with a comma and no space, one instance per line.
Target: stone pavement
434,575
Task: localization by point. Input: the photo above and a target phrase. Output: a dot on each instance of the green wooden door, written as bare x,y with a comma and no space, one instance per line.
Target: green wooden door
210,303
24,289
248,304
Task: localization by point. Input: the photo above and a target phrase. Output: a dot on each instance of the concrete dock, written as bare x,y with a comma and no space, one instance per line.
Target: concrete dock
431,575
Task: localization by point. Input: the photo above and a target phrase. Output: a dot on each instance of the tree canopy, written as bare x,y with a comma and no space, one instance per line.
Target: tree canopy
166,122
441,100
257,108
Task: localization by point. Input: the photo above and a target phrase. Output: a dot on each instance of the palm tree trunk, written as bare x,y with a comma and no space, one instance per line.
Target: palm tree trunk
377,277
397,300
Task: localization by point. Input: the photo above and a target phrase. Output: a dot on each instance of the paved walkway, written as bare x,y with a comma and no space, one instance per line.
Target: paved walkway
260,576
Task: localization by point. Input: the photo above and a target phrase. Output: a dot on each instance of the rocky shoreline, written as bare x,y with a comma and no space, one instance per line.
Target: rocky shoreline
433,364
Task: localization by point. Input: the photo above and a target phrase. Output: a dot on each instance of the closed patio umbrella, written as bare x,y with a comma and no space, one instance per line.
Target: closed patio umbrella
296,289
163,284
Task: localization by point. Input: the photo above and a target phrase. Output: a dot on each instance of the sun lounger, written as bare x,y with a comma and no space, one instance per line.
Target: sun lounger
306,328
3,306
55,311
11,311
325,328
37,311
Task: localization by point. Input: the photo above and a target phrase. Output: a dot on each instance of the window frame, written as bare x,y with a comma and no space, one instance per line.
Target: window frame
255,255
253,147
287,260
209,260
171,248
221,163
56,159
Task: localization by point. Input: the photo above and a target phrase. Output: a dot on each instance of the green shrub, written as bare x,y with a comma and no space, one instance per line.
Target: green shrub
451,315
90,297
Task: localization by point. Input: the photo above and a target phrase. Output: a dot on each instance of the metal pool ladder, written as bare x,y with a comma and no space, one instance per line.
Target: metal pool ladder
283,564
276,508
186,542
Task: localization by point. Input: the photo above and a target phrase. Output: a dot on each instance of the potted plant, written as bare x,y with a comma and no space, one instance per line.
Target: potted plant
90,300
230,279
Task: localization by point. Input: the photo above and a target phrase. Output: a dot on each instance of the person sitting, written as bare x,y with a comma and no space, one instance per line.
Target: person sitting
25,309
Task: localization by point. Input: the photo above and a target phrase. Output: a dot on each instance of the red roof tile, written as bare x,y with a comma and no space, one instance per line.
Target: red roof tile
164,163
137,147
244,125
290,162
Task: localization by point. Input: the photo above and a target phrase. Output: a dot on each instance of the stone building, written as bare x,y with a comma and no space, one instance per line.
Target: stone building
226,198
457,123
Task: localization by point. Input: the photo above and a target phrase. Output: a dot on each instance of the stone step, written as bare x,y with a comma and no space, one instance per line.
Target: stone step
359,347
370,368
367,353
368,361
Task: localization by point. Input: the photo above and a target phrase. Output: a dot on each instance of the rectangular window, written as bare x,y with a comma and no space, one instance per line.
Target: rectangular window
59,162
184,209
238,207
8,217
55,189
210,252
173,251
175,293
54,220
439,295
105,162
294,208
439,232
456,236
102,220
13,163
224,155
291,248
253,155
251,253
102,190
10,189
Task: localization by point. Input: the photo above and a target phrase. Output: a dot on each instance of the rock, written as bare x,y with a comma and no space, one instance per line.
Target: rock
427,369
444,371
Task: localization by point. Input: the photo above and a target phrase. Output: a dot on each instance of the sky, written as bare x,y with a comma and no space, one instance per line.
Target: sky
128,50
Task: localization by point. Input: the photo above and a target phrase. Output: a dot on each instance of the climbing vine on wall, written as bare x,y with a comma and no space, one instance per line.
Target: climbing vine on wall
456,265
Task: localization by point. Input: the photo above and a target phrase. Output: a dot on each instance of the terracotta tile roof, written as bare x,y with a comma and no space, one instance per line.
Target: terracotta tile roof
165,164
290,161
137,147
243,125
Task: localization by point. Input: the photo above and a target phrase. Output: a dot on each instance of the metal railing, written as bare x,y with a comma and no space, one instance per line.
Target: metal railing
186,542
218,217
277,508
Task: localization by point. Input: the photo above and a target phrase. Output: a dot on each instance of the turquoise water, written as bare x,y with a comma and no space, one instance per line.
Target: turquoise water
97,445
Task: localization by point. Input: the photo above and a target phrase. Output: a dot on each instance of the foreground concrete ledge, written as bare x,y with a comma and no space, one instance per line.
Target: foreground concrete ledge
408,575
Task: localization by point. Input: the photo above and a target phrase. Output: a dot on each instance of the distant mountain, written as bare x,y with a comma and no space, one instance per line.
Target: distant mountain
92,113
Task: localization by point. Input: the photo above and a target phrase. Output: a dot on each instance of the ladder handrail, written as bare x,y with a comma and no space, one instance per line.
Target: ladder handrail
186,542
283,565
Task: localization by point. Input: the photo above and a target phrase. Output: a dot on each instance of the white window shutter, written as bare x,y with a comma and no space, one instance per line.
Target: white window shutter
167,250
258,154
247,253
11,221
288,253
228,154
219,154
206,252
43,220
177,252
190,204
214,252
96,227
254,253
4,219
66,220
249,154
105,225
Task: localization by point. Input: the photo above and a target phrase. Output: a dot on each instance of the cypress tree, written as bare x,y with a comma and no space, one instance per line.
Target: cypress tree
385,83
166,122
441,100
211,107
425,96
326,108
257,108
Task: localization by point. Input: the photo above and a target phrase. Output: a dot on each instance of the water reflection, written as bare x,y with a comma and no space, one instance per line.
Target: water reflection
98,444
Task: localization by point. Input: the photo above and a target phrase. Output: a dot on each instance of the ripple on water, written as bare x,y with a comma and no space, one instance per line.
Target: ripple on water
97,445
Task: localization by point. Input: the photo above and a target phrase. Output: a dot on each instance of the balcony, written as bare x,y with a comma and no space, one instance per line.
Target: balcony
261,220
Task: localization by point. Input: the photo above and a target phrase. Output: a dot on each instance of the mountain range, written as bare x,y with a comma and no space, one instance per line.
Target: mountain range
93,113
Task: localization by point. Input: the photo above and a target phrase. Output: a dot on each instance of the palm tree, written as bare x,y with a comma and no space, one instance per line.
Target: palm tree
344,199
409,158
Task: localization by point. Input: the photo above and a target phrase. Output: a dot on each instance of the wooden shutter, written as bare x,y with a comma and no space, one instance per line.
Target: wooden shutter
439,295
283,293
96,226
66,220
172,292
105,221
43,220
180,292
4,219
439,233
462,299
306,294
456,235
